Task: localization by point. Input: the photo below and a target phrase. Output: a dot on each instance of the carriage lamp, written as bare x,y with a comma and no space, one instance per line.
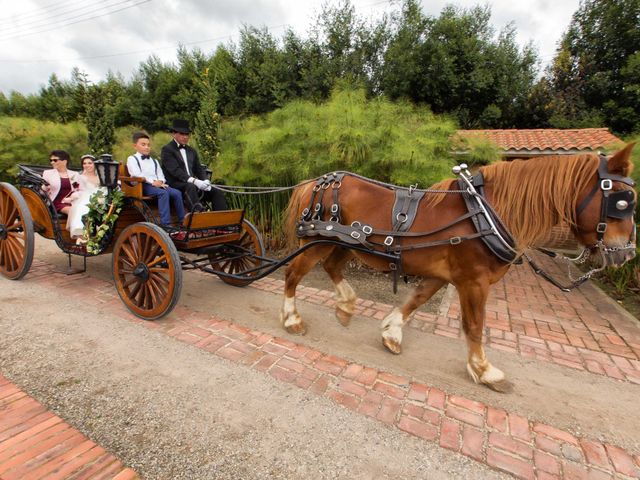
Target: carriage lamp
107,171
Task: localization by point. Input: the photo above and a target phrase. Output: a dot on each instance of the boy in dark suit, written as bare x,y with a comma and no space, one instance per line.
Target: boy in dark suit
183,171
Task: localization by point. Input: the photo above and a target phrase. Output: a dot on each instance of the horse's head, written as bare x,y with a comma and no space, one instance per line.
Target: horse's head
605,221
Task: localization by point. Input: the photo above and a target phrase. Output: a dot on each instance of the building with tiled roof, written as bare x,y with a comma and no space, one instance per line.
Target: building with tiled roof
547,141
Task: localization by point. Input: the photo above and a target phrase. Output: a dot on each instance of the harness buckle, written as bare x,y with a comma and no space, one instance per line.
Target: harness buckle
388,241
305,212
401,217
355,235
356,224
455,240
606,184
337,184
334,208
601,228
367,229
318,207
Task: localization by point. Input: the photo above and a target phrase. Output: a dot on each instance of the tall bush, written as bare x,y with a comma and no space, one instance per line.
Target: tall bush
29,141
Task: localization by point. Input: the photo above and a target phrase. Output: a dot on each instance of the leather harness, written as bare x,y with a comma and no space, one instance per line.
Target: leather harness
488,225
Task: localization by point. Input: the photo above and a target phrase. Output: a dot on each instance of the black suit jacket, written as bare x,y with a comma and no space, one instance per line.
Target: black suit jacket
173,164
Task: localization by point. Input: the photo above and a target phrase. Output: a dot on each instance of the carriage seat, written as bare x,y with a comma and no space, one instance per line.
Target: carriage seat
131,186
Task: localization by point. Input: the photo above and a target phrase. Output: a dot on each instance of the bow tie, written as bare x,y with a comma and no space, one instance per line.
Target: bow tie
145,157
181,146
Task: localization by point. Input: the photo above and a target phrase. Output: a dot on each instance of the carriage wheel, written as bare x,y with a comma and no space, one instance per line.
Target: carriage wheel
16,233
250,240
147,270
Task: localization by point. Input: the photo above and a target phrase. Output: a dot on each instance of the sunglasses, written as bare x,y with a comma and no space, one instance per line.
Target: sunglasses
54,160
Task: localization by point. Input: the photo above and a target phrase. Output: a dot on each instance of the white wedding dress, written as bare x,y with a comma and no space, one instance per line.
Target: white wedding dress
80,206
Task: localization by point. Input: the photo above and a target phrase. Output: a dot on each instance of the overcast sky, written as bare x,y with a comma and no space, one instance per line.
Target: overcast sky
41,37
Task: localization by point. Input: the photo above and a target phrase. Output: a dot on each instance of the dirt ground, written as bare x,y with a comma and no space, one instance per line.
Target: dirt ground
172,411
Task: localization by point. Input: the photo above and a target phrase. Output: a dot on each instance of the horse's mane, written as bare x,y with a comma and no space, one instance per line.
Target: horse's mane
531,196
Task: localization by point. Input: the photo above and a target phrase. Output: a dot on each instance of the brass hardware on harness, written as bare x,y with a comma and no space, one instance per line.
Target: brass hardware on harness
367,229
455,240
329,227
355,235
356,223
388,241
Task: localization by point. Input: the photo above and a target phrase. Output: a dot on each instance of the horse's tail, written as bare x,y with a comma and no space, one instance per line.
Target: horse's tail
292,213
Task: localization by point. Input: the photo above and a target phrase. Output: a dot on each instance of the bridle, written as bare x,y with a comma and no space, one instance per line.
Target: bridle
619,205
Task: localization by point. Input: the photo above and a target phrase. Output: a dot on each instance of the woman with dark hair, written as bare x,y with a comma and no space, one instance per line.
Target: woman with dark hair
64,185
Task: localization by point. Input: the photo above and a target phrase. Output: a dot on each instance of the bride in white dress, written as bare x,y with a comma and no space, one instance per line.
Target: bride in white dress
89,184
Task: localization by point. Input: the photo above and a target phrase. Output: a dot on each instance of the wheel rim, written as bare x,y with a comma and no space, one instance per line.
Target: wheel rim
16,234
251,241
147,271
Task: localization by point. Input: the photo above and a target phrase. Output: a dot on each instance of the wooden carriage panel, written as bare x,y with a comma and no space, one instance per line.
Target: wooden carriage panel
213,219
39,213
197,243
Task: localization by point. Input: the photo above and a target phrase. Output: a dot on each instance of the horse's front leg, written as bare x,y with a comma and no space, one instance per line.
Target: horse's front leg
473,298
344,294
299,267
392,324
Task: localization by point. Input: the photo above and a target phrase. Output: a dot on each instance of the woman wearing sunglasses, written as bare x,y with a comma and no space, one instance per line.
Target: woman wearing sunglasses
64,185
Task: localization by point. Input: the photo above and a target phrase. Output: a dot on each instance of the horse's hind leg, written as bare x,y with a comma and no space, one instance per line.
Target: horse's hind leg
473,298
393,323
299,267
345,296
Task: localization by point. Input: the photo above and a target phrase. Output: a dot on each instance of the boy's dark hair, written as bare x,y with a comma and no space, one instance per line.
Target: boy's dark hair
138,135
62,154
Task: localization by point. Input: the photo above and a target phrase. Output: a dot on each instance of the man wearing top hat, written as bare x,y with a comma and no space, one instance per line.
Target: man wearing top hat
183,171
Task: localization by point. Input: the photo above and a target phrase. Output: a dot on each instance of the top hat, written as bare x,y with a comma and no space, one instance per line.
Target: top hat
180,126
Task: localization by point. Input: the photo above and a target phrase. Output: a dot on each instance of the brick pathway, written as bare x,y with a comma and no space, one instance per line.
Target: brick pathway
528,316
506,441
36,444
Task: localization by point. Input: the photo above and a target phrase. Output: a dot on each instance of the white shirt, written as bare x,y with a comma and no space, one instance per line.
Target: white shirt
183,152
149,168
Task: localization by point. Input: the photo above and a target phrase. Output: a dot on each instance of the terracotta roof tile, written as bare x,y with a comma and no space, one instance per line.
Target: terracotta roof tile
546,139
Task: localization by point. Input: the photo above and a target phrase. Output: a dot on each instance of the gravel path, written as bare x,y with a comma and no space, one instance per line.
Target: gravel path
172,411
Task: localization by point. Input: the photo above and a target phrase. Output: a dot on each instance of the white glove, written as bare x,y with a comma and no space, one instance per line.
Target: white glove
200,184
209,186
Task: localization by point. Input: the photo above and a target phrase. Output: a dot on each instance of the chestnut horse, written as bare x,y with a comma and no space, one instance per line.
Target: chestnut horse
529,197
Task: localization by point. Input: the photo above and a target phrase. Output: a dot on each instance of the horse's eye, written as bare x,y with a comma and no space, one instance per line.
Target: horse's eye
622,204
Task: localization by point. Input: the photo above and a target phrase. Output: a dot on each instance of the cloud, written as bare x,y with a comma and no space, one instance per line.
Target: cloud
120,41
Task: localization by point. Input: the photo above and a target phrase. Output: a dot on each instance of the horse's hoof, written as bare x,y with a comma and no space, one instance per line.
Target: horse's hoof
296,329
343,317
503,386
392,345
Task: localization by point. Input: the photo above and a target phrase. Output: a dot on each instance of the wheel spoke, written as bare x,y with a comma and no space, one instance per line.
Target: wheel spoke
3,202
152,252
2,254
11,215
154,291
157,275
14,253
130,254
159,284
162,258
130,281
133,293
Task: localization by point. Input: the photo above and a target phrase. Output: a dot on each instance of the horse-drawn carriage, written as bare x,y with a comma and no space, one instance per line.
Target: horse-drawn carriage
496,215
147,259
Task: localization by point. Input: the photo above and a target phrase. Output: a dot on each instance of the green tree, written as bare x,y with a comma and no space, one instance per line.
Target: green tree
207,121
99,120
594,68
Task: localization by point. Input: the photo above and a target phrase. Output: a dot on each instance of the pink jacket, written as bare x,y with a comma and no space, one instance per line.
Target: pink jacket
53,178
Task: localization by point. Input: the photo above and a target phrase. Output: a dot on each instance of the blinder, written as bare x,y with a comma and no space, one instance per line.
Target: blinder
620,204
